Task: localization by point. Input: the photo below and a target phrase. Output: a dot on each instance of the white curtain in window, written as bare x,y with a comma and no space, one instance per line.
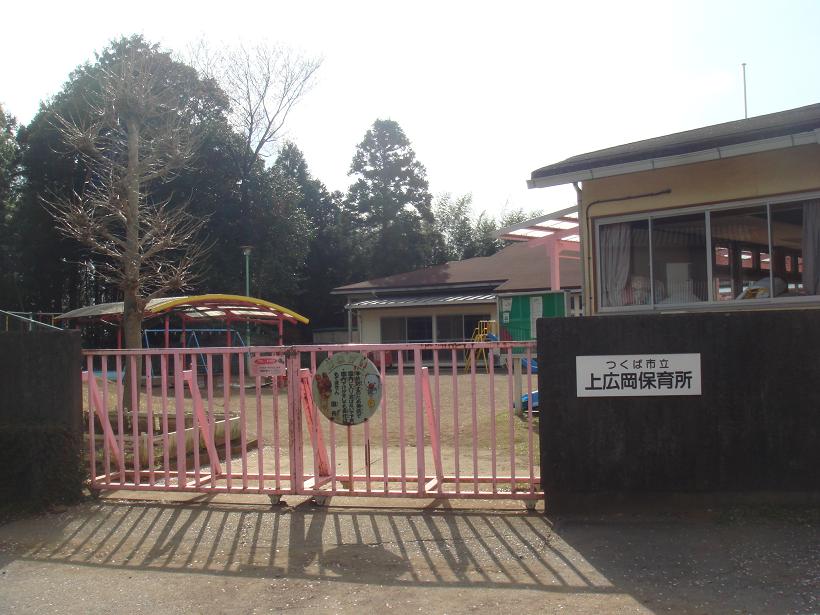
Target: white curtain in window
616,243
811,246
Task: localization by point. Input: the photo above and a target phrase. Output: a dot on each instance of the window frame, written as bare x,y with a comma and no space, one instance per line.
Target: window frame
462,316
711,304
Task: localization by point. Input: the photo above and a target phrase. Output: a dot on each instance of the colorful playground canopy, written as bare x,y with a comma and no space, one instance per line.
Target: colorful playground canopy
198,308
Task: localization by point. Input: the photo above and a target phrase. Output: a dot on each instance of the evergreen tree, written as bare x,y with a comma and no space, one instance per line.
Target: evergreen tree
390,203
47,270
330,255
10,177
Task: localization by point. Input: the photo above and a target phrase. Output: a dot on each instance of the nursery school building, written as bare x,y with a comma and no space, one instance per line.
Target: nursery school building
724,217
701,251
538,275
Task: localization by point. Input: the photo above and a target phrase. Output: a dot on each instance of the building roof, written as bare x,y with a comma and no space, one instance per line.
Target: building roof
518,267
426,300
799,126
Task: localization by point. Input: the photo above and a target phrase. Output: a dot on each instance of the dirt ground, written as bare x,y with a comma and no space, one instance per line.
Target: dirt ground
470,400
238,555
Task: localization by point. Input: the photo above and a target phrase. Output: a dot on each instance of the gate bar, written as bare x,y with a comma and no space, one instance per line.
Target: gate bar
432,422
204,425
419,421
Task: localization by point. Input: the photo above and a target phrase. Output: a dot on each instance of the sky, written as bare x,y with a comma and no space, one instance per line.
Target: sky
486,92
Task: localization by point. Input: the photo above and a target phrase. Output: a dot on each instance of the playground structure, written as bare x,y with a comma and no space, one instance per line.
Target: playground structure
190,316
485,331
192,329
192,312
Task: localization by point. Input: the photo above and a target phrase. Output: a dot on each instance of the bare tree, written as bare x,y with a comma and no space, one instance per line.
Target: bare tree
263,82
134,131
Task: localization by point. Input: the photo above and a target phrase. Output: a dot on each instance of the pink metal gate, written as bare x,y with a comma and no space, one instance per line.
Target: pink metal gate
452,423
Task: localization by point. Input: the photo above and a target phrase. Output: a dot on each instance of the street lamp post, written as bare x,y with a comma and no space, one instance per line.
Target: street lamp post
246,250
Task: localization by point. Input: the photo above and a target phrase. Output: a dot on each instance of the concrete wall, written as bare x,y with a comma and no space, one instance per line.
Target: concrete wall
41,416
40,379
765,174
754,428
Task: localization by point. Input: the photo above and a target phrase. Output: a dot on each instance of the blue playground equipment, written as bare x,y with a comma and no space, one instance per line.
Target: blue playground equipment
111,373
525,398
525,401
525,365
192,338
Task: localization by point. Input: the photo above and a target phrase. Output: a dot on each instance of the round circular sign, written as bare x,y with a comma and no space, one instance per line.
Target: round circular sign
347,388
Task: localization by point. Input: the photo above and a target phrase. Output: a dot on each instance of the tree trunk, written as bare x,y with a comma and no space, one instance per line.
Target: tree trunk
132,310
132,321
132,304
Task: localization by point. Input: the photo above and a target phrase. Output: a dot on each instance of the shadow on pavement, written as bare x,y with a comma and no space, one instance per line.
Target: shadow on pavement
747,559
511,549
653,563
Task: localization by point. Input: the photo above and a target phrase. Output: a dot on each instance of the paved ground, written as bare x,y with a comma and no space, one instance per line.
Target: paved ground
237,555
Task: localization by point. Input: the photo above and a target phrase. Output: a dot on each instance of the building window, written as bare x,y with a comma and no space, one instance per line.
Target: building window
450,328
751,252
678,260
792,227
624,249
420,329
740,248
393,330
455,328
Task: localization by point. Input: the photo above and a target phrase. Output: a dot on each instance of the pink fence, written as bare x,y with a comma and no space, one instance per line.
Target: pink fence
451,423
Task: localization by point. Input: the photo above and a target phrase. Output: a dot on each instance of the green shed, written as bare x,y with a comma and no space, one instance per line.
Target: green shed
518,312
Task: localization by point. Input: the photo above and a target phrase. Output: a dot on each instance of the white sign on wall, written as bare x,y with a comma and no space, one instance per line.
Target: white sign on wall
638,375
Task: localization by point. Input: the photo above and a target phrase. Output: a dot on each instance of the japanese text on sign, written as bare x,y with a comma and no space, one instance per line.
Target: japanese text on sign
347,388
638,375
268,365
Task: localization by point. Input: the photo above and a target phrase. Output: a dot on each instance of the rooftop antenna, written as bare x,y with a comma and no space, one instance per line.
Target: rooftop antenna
745,108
